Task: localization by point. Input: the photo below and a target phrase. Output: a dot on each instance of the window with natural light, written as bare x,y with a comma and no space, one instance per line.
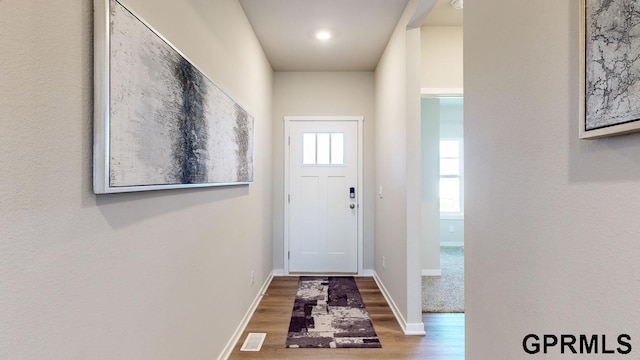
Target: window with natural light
451,177
323,148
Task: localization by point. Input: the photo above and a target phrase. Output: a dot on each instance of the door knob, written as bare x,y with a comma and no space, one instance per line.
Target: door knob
352,206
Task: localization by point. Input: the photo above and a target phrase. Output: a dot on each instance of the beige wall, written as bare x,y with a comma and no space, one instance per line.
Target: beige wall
391,212
153,275
322,94
398,170
552,220
452,232
442,57
430,161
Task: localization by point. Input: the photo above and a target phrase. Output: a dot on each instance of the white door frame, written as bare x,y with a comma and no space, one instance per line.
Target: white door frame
287,189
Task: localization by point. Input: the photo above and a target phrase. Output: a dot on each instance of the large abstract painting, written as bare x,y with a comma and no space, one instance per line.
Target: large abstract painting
160,122
610,70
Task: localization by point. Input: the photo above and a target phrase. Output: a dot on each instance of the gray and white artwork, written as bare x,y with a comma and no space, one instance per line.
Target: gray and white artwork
612,63
168,123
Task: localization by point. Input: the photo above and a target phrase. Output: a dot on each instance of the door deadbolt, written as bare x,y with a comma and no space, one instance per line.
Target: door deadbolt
352,206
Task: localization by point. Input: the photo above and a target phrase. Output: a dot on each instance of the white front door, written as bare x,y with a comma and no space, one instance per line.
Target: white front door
323,196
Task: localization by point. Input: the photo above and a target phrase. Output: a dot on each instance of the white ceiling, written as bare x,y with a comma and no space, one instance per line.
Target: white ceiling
286,29
361,30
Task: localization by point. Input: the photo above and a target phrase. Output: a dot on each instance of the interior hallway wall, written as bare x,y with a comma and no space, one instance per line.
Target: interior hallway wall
430,242
398,171
442,57
322,94
554,219
150,275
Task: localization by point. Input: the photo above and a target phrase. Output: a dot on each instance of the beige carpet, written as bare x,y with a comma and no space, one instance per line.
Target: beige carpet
445,293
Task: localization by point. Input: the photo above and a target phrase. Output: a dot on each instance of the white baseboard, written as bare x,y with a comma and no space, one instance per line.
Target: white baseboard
407,328
231,344
452,243
431,272
280,272
415,329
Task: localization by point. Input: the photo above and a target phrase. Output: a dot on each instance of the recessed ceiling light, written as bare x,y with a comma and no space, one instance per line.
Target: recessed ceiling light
323,35
457,4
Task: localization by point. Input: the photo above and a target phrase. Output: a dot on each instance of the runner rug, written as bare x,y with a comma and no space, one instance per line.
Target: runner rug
329,313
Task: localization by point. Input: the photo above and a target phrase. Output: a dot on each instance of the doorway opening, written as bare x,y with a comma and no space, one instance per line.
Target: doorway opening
443,162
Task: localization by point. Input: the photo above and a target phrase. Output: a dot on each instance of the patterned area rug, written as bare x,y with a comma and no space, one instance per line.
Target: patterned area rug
329,313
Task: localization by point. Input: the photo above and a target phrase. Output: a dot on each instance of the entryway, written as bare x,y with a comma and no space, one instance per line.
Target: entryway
445,338
323,187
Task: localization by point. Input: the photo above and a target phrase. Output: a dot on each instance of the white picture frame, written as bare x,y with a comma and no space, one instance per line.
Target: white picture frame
159,121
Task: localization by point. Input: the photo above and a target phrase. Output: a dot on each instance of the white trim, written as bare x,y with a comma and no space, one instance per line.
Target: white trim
452,243
356,275
231,344
101,64
415,329
285,196
361,203
394,308
324,118
407,328
431,272
453,92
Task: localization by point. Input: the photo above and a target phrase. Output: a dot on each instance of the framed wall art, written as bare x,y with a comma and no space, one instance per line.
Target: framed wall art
160,122
609,67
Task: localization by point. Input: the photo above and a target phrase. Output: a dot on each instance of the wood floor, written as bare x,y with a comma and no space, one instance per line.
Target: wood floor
444,339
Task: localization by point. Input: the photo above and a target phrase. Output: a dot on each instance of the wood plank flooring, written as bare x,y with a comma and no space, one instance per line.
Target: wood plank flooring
444,339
